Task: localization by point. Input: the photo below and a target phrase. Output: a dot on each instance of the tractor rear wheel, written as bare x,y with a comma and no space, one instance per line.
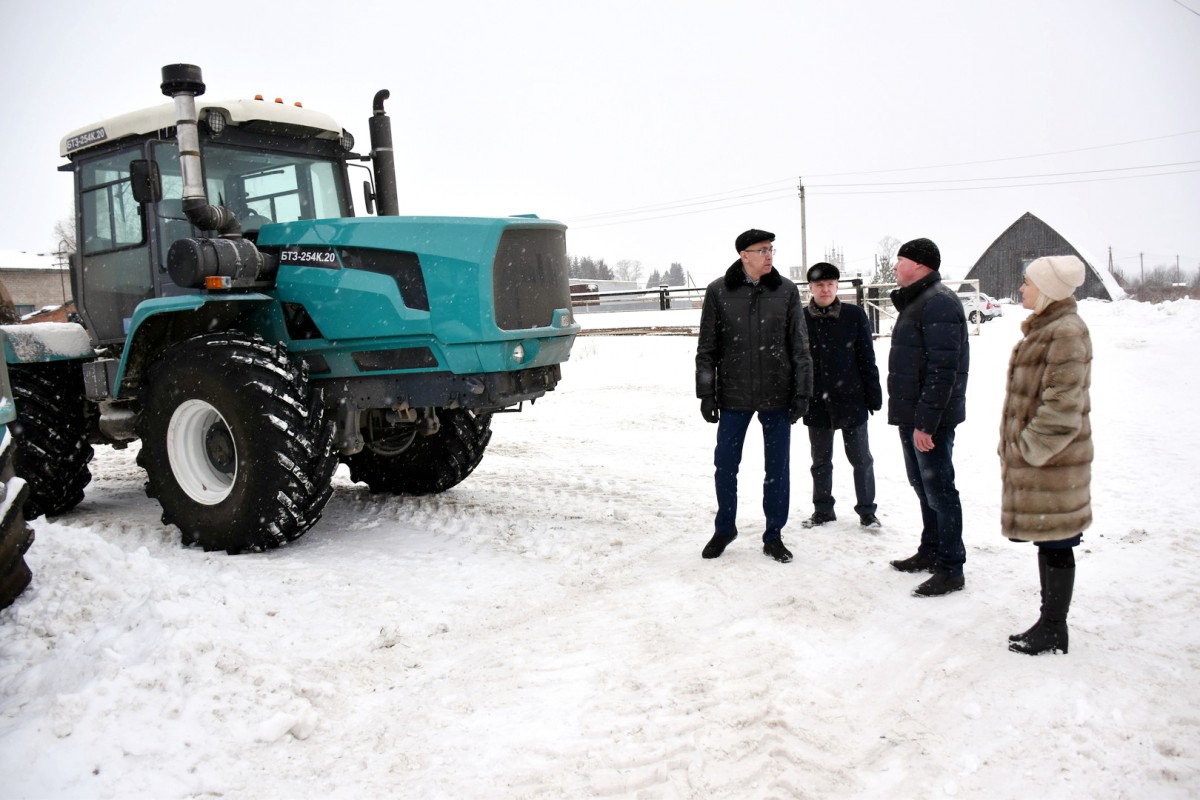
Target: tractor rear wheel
235,444
412,464
15,534
52,435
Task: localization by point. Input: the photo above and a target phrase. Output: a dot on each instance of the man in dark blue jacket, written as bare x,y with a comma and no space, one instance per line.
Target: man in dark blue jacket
845,389
752,357
927,398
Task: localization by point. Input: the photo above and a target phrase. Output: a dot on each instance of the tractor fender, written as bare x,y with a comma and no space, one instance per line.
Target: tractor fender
159,323
45,341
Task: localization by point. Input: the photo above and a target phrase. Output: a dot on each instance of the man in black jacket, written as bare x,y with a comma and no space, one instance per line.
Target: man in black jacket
845,390
927,398
752,357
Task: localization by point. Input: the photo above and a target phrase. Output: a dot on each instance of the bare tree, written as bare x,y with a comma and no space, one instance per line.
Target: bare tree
64,235
885,260
628,269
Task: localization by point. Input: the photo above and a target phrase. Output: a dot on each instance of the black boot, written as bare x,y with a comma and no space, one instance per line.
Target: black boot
915,563
774,548
717,544
818,519
1042,566
1050,636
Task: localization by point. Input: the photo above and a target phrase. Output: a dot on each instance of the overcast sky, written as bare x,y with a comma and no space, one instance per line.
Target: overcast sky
660,130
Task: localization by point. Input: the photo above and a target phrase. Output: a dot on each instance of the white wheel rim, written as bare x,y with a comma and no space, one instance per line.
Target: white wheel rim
187,449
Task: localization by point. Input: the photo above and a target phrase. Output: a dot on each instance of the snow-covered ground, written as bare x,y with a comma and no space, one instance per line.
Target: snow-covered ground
548,629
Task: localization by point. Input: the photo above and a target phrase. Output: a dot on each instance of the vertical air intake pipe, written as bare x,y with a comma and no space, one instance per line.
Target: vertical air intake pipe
183,83
190,262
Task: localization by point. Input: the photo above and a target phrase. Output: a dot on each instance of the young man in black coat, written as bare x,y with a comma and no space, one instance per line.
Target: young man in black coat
845,391
927,398
752,357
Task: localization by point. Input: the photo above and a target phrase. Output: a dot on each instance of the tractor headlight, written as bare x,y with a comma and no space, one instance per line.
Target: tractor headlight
346,140
518,353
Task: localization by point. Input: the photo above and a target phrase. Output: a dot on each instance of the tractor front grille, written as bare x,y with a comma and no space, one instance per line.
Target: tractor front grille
530,277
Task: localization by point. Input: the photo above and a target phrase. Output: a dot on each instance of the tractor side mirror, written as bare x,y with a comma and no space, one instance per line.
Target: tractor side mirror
369,197
146,180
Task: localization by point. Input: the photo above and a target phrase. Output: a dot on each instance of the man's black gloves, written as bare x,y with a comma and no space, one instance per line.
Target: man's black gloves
799,409
709,410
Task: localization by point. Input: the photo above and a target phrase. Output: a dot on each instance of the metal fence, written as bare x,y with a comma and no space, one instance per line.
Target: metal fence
873,298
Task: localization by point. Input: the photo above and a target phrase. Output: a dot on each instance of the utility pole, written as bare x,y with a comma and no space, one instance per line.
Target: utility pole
803,230
1142,261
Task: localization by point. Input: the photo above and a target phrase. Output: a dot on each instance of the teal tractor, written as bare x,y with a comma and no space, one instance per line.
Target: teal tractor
252,333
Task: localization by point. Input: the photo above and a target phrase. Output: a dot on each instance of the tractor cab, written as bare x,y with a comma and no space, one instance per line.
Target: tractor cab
264,162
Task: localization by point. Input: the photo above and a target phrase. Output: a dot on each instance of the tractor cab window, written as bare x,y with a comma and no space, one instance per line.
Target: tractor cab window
111,216
263,187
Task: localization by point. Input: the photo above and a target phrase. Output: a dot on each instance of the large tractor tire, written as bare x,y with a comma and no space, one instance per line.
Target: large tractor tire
416,464
236,445
53,417
15,535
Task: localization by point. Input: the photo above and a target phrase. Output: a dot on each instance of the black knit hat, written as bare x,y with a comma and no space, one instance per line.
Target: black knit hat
921,251
752,236
823,272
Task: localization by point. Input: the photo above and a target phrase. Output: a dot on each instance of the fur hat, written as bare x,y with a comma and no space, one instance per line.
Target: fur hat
1056,277
823,272
752,236
921,251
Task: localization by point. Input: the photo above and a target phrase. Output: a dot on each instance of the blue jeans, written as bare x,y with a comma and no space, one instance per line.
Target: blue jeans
858,453
932,477
777,448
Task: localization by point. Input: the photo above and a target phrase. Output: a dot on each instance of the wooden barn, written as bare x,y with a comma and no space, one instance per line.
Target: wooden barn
1001,268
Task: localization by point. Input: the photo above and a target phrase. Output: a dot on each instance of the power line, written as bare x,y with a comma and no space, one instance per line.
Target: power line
640,216
1194,11
685,203
1011,158
786,189
1005,177
1013,185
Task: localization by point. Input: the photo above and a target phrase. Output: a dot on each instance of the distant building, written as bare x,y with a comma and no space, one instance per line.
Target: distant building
1001,268
34,280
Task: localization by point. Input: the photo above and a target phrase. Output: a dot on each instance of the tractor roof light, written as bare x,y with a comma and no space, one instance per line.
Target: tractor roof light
346,140
214,120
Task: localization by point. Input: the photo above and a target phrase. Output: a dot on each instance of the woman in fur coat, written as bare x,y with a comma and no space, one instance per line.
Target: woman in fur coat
1046,442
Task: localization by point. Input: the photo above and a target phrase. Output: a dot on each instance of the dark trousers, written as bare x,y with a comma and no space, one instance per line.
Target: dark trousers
858,453
932,477
777,446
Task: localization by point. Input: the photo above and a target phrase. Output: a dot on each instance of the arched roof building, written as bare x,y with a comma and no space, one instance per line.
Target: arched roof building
1001,268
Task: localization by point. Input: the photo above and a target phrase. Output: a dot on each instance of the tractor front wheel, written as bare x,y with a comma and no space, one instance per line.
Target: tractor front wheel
235,444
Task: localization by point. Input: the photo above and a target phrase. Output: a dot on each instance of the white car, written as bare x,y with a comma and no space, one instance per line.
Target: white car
980,307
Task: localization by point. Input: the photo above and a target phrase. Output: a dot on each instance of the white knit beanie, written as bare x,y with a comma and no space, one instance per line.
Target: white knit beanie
1056,277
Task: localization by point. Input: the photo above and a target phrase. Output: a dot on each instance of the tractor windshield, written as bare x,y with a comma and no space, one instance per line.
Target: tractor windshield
259,186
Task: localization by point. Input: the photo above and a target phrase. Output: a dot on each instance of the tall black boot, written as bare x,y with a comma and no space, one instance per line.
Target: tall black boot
1051,635
1042,566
